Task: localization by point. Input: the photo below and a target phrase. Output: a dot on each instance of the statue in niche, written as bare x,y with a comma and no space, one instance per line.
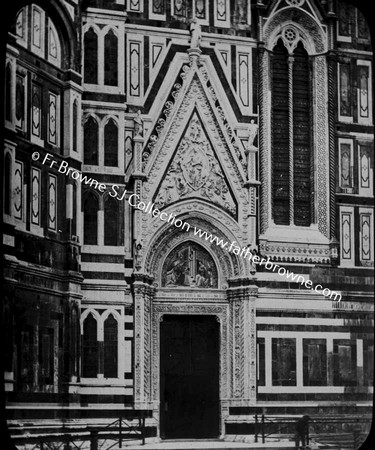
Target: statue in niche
196,34
138,125
241,11
253,131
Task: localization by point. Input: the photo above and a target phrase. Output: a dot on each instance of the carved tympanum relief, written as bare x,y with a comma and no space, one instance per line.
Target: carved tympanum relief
195,172
189,265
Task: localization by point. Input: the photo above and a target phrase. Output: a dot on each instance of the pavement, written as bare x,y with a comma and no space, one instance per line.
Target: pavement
218,444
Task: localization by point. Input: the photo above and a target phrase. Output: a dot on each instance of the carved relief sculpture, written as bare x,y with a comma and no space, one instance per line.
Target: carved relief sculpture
195,172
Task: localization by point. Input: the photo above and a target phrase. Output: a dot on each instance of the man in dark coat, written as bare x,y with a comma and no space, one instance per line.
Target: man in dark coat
302,430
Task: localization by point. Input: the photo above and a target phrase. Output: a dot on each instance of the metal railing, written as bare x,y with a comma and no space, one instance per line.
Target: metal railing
92,437
265,426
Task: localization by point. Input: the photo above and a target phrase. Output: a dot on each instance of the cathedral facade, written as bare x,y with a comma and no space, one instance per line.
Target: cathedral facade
154,152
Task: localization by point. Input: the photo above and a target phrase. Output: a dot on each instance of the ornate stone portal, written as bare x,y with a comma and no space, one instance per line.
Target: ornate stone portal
234,309
194,167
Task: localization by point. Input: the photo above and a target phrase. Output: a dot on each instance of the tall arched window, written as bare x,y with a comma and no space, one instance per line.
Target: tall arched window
91,57
110,347
110,59
7,184
90,218
111,221
111,144
90,355
302,142
292,169
280,149
90,142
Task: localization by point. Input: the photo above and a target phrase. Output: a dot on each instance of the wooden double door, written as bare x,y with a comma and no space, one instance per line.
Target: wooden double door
189,377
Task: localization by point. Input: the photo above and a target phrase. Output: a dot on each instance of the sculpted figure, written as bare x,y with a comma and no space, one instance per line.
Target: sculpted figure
196,34
138,124
253,131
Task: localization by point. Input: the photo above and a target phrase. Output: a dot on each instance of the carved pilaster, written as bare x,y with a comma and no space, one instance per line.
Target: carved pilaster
332,108
143,294
243,333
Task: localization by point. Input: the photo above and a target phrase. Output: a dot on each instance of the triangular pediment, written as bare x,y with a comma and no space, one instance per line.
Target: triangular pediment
195,171
192,151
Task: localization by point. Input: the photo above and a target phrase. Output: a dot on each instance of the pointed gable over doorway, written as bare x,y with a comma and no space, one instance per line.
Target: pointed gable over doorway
195,171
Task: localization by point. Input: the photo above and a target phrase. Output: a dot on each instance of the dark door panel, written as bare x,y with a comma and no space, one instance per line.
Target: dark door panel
189,377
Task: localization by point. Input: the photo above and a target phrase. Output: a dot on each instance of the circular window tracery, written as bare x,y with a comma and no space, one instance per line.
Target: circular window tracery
290,34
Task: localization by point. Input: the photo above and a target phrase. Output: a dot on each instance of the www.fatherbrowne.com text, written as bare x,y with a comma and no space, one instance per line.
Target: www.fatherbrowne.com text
135,201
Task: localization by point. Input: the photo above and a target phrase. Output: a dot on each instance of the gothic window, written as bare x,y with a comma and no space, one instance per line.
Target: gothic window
314,362
110,347
46,348
75,126
345,363
189,265
7,184
8,92
283,362
91,57
111,144
90,354
90,142
292,146
112,222
90,219
110,59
